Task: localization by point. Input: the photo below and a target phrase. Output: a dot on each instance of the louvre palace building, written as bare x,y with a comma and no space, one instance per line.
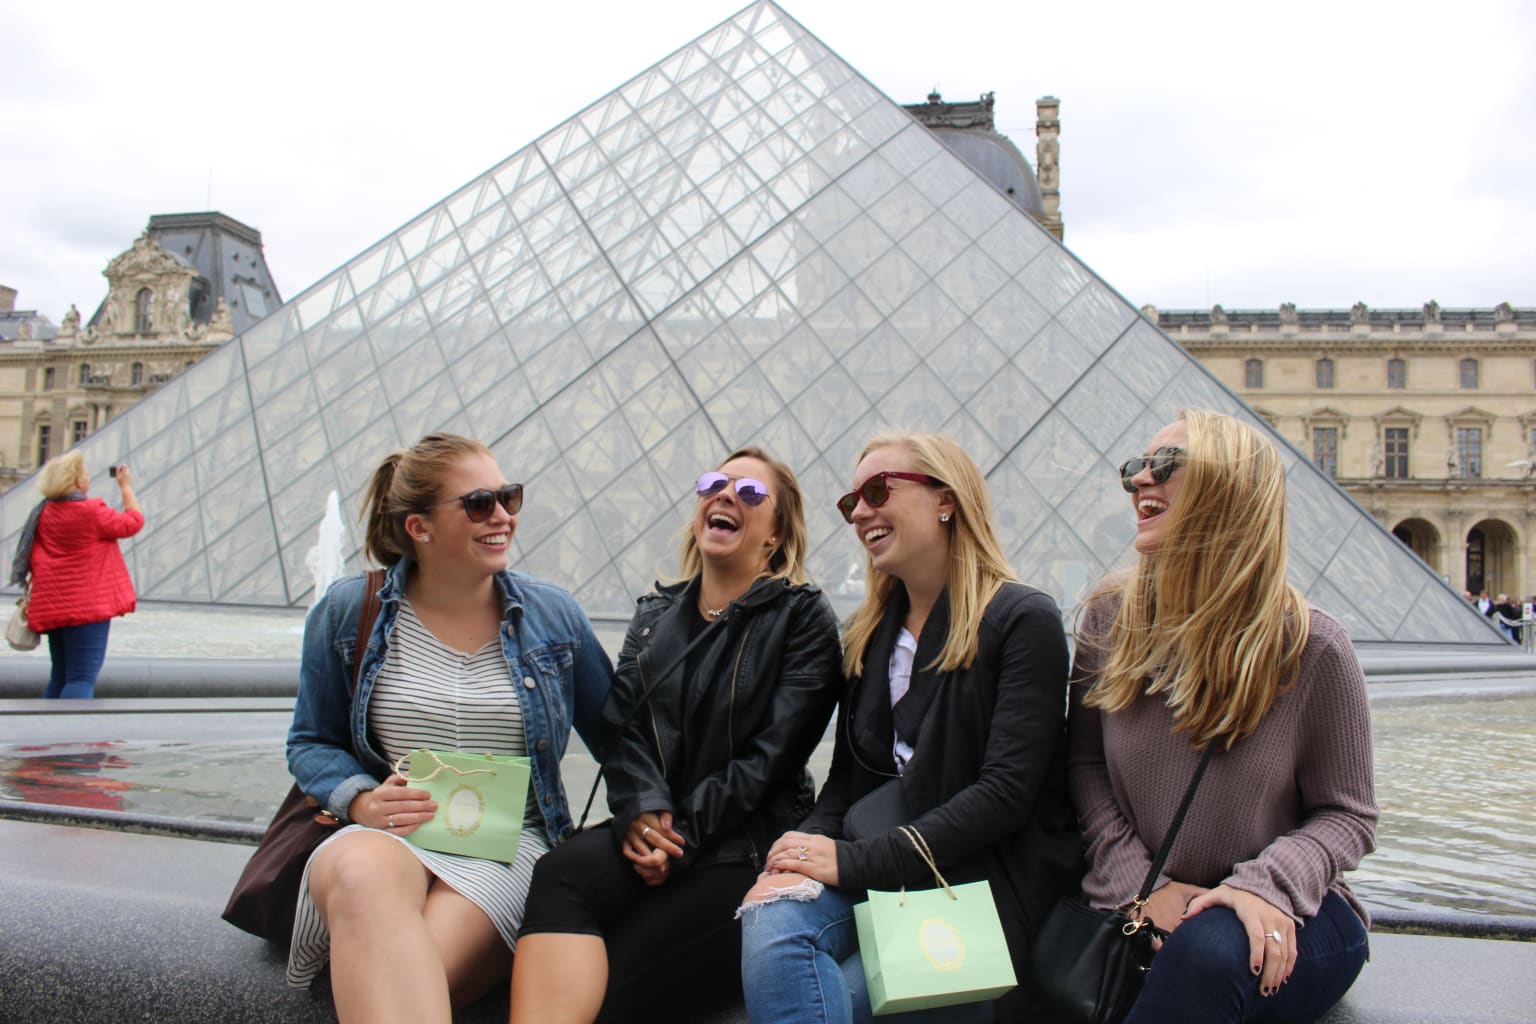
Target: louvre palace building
1427,417
748,242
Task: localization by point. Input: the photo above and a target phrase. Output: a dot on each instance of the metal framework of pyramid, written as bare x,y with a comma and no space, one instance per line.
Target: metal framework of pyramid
746,243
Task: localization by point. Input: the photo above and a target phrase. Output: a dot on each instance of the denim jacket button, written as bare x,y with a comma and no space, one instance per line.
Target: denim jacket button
528,682
541,746
549,798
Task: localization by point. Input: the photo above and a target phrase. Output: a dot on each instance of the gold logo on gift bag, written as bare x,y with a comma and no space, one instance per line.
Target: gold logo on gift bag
942,944
465,810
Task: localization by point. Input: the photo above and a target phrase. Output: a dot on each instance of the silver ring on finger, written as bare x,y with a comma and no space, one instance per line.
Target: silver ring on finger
391,821
645,831
1279,939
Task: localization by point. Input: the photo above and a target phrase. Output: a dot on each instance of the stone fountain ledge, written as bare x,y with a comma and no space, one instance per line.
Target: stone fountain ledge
123,925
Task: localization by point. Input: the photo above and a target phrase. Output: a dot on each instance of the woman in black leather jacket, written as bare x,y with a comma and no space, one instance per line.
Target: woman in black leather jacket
956,698
724,687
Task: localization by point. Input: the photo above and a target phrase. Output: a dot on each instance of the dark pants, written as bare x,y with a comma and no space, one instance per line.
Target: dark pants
1202,976
77,653
679,941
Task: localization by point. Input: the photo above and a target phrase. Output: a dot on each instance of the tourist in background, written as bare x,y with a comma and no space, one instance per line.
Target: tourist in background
464,655
1204,643
956,688
634,920
78,579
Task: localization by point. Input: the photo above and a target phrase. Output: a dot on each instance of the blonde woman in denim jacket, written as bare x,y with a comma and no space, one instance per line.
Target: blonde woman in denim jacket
462,650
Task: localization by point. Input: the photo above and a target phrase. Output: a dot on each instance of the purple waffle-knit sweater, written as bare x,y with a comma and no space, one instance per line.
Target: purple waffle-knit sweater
1282,815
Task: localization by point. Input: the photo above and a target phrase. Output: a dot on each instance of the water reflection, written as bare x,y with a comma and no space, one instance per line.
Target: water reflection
66,773
1454,779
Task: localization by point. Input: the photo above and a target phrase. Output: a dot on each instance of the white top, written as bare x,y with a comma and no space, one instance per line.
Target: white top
902,657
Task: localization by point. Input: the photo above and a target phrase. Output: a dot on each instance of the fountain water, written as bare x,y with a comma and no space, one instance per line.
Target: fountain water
326,559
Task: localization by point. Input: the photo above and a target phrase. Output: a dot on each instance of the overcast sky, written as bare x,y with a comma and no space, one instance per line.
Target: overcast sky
1320,153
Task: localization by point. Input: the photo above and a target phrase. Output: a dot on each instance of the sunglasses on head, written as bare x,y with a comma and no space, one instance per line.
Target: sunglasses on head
478,504
751,492
1161,463
876,491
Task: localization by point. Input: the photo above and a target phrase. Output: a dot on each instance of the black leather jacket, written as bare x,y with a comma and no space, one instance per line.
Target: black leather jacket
723,747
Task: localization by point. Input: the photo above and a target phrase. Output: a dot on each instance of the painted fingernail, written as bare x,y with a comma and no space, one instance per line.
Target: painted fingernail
1257,969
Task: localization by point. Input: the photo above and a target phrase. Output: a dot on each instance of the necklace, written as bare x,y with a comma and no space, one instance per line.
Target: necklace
715,613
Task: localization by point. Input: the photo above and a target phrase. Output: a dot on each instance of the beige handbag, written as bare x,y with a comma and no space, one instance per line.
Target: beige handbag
18,634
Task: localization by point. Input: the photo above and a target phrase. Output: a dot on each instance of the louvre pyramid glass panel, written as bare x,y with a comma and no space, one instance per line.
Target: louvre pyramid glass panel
746,243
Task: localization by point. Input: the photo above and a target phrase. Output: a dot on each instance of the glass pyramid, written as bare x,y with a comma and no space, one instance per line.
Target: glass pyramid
746,243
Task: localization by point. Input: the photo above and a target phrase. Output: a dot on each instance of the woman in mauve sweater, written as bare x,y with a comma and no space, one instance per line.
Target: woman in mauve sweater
1205,642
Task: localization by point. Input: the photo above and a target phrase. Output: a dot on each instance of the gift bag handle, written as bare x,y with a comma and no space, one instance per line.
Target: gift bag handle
441,765
921,846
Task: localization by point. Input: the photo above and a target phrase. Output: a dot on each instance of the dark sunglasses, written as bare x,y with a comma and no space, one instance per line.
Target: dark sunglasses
479,504
1162,463
751,492
876,491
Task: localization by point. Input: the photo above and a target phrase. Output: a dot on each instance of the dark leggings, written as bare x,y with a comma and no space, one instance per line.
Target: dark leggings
1201,975
679,941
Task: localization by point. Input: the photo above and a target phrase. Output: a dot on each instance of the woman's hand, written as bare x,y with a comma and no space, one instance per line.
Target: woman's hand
1271,933
124,480
804,854
1165,907
392,807
651,844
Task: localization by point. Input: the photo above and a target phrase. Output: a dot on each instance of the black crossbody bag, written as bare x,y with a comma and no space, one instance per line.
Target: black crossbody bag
1090,963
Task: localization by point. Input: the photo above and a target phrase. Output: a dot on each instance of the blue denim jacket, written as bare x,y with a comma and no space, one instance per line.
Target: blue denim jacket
561,675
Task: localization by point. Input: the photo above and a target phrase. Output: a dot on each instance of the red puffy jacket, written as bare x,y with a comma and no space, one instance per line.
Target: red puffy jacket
78,573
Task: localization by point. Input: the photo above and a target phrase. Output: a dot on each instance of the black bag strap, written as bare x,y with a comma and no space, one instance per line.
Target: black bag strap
1173,830
645,695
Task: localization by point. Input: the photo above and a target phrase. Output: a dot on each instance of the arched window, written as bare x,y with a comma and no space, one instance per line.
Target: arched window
1468,374
1253,373
1325,373
144,311
85,374
1397,374
138,374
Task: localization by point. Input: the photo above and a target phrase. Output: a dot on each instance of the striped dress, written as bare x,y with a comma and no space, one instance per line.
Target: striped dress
428,695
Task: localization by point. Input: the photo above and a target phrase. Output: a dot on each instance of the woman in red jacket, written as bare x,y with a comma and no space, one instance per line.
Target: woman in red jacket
79,580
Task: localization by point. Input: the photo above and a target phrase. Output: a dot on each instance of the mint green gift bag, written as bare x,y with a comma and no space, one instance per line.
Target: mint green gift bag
932,947
481,801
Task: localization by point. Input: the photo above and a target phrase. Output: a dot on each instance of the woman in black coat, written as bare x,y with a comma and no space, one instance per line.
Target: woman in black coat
634,920
957,681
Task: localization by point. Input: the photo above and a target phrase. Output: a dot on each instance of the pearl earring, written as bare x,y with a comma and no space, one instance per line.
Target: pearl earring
943,517
425,539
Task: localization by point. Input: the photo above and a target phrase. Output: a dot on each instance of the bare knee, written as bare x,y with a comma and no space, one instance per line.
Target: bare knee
362,875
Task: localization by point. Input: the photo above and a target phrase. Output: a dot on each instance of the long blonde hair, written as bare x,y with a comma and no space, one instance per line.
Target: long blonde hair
977,566
1209,619
787,559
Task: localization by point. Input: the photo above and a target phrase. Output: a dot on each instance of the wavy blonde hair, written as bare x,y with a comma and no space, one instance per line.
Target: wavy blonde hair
977,566
787,559
1208,619
60,473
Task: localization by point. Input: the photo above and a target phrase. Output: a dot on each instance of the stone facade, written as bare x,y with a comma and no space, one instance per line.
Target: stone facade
1427,417
163,312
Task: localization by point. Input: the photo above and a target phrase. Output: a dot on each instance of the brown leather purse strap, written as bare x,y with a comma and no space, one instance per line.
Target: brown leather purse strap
369,614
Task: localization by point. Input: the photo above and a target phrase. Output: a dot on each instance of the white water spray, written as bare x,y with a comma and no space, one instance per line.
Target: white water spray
325,560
